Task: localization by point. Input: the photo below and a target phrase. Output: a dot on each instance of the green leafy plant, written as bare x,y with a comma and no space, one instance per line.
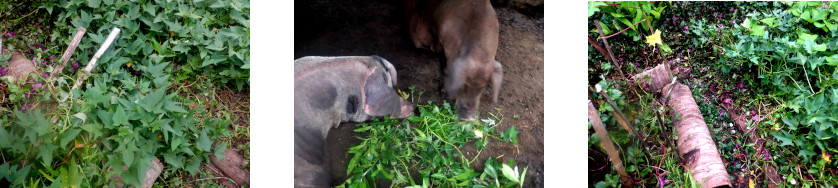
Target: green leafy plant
430,145
627,14
132,109
196,37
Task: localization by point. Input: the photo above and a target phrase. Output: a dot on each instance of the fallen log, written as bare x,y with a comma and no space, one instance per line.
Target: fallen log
654,79
695,145
231,165
19,66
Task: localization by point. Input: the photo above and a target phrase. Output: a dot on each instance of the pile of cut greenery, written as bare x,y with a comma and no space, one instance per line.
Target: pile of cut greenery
430,145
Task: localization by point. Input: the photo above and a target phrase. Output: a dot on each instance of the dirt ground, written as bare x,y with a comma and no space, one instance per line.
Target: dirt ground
378,27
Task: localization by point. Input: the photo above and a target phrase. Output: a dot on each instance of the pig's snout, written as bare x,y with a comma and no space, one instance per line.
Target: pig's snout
406,109
467,110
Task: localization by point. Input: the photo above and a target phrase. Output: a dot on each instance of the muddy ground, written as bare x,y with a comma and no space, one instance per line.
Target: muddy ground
378,27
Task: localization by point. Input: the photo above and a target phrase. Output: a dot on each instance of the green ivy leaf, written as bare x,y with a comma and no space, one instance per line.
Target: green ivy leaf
119,117
5,141
758,30
806,154
174,160
832,60
204,143
152,101
785,137
593,7
93,129
45,152
68,136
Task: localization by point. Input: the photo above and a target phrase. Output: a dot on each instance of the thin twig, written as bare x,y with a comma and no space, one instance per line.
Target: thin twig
619,5
24,16
608,48
806,74
621,117
647,22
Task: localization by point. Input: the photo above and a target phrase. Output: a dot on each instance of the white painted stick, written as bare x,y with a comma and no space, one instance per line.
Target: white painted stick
102,49
98,54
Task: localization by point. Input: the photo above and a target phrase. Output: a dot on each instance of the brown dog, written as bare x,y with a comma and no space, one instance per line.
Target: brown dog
467,32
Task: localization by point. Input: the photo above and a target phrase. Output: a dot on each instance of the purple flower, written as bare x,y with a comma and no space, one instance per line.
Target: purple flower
10,34
662,180
34,62
721,113
727,100
767,156
756,118
739,85
45,75
733,22
24,108
75,65
686,27
753,112
37,85
3,71
688,50
621,59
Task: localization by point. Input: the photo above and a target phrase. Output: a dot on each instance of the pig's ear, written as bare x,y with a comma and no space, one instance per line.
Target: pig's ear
497,78
389,67
455,77
380,99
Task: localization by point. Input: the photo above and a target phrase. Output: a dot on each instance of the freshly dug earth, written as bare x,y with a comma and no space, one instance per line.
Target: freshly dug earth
378,27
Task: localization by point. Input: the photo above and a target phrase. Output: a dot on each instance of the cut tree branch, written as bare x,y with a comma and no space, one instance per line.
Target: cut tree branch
605,140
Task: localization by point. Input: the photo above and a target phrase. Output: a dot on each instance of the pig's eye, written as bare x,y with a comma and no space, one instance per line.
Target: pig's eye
352,104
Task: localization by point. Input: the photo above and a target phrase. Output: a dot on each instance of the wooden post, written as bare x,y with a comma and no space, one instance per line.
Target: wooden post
621,117
605,140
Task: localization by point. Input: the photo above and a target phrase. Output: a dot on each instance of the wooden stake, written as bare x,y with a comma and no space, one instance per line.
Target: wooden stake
621,117
67,53
605,140
98,54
